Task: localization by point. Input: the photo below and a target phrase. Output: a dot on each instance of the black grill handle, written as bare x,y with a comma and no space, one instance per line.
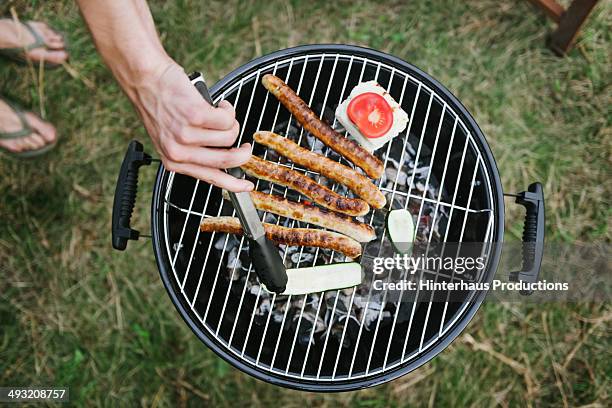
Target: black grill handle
125,194
533,235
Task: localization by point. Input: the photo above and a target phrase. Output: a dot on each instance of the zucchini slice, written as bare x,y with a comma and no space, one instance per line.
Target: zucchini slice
400,228
320,278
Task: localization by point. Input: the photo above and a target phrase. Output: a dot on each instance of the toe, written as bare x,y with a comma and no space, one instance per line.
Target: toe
44,129
37,141
55,57
27,143
53,39
13,145
56,43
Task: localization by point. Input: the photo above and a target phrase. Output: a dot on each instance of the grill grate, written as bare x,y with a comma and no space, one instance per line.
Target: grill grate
228,314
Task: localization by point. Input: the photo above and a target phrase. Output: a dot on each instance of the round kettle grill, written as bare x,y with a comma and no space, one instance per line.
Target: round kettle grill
440,168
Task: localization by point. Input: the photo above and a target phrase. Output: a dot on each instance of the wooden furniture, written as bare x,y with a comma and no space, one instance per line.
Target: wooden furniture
569,21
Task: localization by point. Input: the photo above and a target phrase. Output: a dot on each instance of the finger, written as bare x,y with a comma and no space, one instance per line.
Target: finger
209,117
210,157
216,177
227,106
204,137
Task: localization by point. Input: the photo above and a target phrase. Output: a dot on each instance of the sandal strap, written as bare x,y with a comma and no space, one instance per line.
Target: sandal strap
39,42
26,129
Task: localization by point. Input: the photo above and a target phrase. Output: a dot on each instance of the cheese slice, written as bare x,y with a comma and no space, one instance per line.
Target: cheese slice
400,117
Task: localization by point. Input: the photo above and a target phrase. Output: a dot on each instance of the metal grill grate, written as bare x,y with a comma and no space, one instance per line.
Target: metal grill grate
457,197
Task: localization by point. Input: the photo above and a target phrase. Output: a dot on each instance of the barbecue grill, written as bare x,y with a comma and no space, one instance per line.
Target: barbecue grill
440,168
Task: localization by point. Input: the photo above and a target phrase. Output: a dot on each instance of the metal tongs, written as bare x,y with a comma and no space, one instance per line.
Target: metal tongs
265,258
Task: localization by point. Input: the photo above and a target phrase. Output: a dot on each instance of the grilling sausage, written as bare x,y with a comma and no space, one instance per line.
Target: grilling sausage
356,182
348,148
297,181
312,215
289,236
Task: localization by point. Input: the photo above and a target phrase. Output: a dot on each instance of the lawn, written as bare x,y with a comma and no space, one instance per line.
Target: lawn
73,312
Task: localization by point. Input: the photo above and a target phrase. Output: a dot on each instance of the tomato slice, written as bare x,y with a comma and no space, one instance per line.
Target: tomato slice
371,113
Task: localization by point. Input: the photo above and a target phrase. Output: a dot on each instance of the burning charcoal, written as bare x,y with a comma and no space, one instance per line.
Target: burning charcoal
301,258
310,321
420,172
410,150
374,310
269,217
278,313
331,154
220,242
233,261
245,258
351,332
272,155
304,331
297,302
324,181
264,306
342,189
389,186
288,129
314,144
328,115
391,174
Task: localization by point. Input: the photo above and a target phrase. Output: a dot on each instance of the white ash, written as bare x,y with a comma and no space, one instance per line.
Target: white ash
302,258
233,261
393,175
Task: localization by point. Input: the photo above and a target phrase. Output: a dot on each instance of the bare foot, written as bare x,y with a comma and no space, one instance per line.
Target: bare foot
43,133
16,35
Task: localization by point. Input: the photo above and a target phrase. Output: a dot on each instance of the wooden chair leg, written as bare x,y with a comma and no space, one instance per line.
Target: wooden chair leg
552,9
562,39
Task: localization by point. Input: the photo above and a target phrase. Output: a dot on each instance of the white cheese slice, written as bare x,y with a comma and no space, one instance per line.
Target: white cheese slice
400,117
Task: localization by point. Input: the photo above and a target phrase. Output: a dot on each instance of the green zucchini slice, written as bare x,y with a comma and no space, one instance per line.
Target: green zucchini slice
400,228
321,278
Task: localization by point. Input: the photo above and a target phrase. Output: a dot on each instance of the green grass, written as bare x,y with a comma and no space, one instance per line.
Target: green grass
75,313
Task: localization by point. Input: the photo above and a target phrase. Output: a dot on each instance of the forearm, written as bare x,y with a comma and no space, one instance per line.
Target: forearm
191,136
125,36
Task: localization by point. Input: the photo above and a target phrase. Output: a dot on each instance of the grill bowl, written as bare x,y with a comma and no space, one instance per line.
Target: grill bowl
220,310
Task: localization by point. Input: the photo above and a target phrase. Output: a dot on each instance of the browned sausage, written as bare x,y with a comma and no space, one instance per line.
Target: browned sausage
297,181
312,215
348,148
289,236
356,182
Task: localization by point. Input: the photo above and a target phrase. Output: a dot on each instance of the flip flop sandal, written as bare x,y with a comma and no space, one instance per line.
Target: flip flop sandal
17,54
25,131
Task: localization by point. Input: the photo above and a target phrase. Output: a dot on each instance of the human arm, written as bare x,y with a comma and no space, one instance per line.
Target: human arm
190,135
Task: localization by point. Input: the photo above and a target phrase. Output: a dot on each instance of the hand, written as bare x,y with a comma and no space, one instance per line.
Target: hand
191,136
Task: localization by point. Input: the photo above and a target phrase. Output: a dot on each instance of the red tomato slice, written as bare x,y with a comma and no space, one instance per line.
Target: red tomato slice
371,113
